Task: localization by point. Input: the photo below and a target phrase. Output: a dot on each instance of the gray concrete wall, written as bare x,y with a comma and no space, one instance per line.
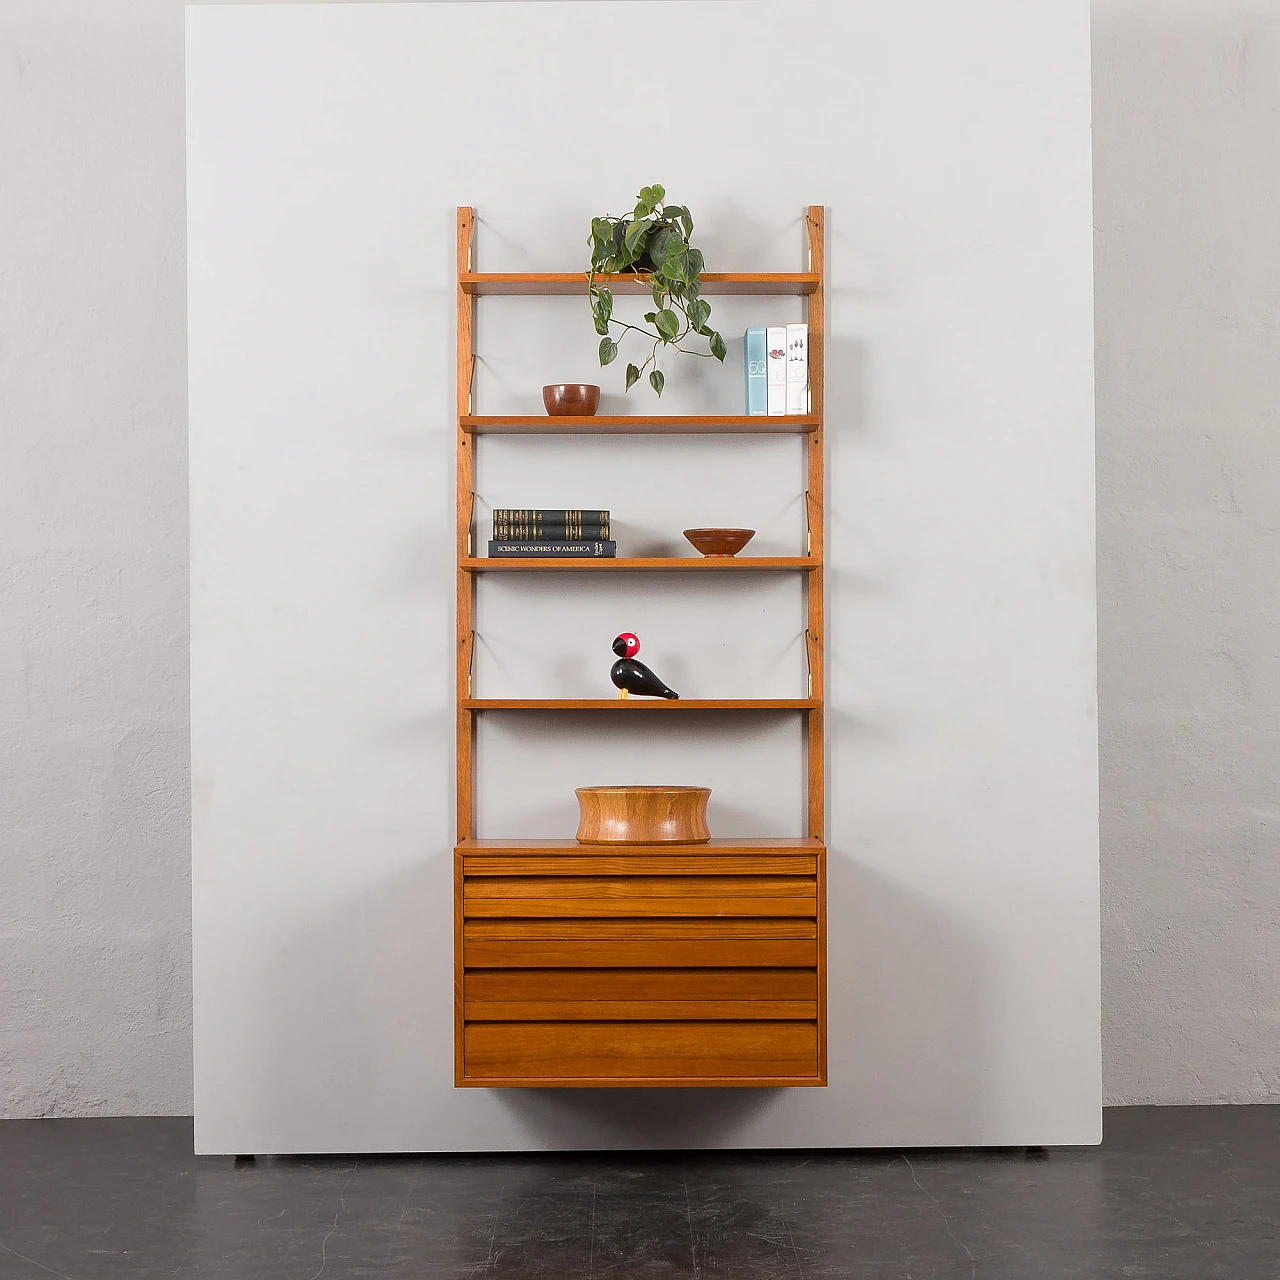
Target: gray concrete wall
95,973
1187,215
94,913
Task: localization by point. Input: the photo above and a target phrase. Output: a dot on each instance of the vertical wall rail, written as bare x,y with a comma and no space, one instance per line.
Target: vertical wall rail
464,499
815,727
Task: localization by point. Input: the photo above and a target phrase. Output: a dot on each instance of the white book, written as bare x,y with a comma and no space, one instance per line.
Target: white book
797,368
775,342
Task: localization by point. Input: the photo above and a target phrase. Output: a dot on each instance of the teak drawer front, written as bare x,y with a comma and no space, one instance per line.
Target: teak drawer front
637,908
670,864
639,896
643,967
639,1010
637,930
617,1053
616,995
641,984
657,953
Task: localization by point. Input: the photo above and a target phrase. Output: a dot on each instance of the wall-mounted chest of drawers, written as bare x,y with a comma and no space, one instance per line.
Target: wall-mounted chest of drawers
585,965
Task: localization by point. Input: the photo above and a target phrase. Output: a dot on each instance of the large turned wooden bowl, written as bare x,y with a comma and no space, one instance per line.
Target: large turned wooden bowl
643,815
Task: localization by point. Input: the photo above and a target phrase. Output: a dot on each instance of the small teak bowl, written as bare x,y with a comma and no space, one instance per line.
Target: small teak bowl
571,399
719,542
643,815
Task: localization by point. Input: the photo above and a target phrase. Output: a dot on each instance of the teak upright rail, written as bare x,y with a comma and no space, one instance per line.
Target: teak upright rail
655,965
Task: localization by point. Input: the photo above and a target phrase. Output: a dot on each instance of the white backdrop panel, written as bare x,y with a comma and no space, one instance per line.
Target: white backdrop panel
328,148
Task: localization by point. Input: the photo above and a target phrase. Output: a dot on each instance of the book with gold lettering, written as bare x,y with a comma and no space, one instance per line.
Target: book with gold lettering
531,524
595,548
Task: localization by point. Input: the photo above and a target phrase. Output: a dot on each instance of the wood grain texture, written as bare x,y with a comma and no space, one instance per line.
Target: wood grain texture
815,726
611,929
717,846
639,564
654,985
658,1049
621,953
821,974
644,815
754,1008
464,497
637,425
636,908
459,971
553,865
555,283
630,706
647,965
678,889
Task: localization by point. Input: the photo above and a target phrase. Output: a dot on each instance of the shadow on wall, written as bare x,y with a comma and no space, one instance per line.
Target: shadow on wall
902,975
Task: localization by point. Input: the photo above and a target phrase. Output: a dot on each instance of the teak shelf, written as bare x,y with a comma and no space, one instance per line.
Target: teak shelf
640,564
638,425
553,283
628,706
606,966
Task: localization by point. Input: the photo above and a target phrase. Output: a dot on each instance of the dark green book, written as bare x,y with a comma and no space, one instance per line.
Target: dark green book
517,524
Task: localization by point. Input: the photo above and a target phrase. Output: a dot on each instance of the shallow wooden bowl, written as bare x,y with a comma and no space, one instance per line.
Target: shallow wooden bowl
643,815
571,399
719,542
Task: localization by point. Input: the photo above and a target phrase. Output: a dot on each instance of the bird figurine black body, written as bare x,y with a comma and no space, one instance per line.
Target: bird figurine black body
634,677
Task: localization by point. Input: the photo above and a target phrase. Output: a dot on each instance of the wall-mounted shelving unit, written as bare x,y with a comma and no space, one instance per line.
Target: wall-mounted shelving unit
658,965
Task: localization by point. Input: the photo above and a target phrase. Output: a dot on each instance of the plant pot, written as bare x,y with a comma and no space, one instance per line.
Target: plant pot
643,262
643,815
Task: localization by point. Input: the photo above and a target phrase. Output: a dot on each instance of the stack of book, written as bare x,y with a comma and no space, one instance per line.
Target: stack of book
530,532
777,366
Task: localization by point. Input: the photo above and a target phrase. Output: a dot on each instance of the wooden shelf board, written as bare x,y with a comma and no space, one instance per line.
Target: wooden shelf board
640,425
633,564
543,283
723,846
629,705
640,1082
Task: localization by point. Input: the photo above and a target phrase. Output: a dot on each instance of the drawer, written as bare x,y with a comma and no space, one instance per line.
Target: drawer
627,864
668,995
621,1053
649,953
639,896
637,930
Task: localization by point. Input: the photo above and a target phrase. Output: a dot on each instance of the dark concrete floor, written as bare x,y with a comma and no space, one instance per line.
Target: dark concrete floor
1172,1193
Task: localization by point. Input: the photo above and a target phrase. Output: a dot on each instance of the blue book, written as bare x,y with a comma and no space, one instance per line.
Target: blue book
756,360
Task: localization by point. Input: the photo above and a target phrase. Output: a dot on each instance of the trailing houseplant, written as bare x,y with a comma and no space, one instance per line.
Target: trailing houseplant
652,241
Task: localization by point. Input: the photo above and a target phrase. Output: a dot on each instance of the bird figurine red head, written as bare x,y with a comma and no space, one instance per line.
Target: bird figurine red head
631,676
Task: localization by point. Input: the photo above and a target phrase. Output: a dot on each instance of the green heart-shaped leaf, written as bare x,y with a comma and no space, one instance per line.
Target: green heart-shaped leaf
637,234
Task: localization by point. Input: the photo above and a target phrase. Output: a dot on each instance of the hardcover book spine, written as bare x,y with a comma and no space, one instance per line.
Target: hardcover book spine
776,345
757,373
797,368
550,515
535,550
544,531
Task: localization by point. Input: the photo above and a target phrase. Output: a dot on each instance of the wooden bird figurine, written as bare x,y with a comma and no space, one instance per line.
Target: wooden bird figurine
634,677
